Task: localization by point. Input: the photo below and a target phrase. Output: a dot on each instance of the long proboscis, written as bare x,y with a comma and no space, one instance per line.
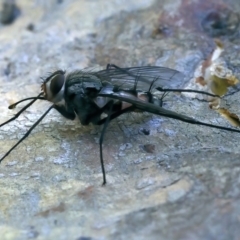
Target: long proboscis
26,134
12,106
23,109
163,112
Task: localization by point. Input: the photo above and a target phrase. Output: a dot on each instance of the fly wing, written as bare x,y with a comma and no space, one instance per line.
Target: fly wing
142,77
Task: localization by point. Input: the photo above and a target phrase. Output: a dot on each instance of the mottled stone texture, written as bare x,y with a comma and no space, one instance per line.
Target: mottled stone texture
187,187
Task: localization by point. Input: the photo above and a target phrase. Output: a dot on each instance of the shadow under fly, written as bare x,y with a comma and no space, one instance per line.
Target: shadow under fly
112,92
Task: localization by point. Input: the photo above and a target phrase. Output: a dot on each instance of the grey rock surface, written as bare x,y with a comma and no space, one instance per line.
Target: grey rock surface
50,185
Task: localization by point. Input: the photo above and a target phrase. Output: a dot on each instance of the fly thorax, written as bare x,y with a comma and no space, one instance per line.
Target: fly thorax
54,87
83,83
91,82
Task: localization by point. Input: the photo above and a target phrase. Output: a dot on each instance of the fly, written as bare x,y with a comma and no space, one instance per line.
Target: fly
113,91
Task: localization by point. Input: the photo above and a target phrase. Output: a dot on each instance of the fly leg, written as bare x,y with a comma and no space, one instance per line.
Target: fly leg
111,109
21,111
106,122
185,90
101,152
26,134
93,118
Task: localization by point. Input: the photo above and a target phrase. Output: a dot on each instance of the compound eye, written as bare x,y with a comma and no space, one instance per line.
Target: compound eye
56,83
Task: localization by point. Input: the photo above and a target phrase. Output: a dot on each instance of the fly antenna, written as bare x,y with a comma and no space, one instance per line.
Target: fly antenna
27,133
22,110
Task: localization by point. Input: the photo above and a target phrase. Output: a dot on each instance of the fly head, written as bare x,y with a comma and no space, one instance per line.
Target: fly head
53,87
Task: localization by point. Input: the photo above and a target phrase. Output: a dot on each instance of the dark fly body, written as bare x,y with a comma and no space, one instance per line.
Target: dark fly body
113,91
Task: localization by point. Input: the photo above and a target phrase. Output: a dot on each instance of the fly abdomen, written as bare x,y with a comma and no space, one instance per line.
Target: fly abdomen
129,94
